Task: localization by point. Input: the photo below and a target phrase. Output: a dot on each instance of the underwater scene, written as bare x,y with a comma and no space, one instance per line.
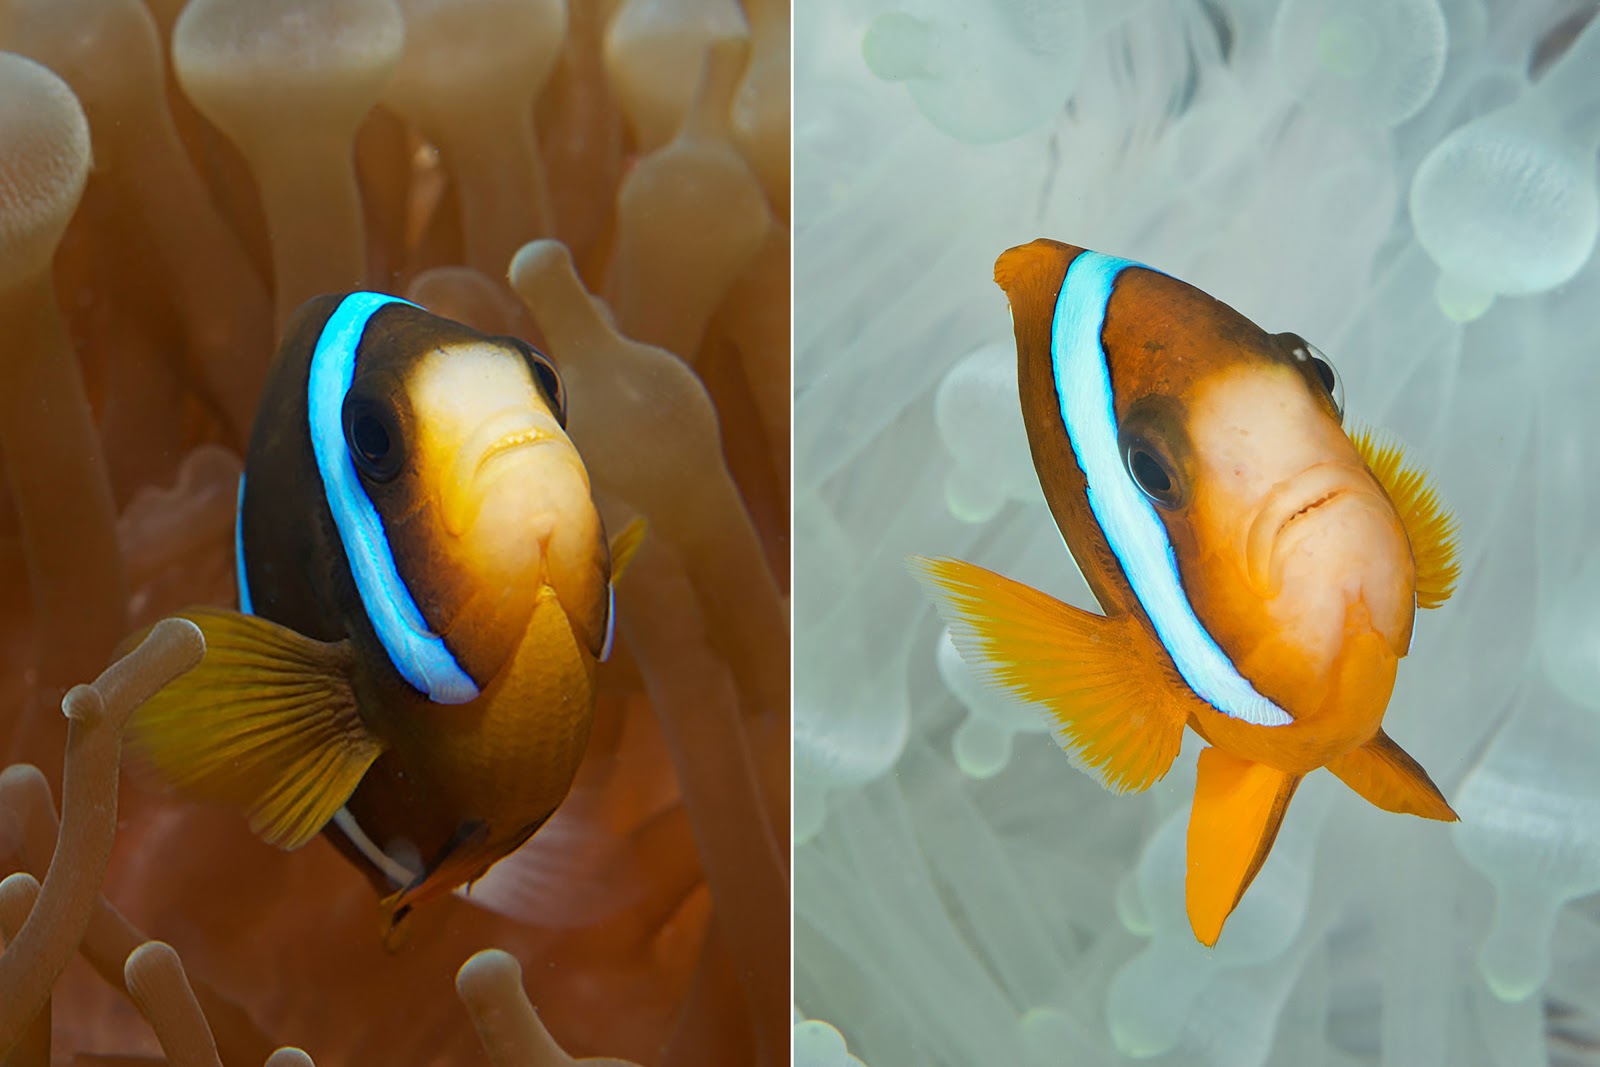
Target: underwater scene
395,532
1312,491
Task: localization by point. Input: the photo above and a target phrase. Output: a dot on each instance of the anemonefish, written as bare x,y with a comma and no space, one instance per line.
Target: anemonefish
1260,567
425,592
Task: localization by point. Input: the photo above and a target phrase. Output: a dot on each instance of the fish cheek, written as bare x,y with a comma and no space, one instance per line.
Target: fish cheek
1157,427
481,623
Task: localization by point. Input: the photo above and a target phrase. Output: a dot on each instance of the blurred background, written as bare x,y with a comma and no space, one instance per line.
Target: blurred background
1411,185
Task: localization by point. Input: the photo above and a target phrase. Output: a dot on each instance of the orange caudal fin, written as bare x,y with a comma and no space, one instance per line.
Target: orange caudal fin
1238,807
1098,679
1385,775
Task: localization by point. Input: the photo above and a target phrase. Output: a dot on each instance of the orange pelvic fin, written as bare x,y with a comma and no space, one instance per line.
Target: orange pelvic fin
1238,807
1100,679
462,859
1385,775
1432,530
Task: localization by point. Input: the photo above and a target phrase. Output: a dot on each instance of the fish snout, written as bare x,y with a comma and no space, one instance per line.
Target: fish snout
1306,505
519,504
1323,542
498,446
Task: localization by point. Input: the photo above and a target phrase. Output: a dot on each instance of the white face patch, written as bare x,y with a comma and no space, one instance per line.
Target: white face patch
1132,528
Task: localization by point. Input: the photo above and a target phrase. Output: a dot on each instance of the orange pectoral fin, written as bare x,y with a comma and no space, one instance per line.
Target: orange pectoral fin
1385,775
1432,530
1098,678
624,545
1238,807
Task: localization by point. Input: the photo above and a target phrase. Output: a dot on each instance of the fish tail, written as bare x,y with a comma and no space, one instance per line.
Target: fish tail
1238,807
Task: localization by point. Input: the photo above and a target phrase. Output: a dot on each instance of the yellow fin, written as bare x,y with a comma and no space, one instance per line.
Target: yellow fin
1384,774
1238,807
1431,528
625,544
1099,678
267,723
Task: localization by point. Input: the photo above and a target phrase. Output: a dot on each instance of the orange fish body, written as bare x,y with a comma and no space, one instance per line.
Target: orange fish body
1259,568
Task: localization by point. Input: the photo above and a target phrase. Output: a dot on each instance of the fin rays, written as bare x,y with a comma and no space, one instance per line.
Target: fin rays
1112,708
1433,530
267,723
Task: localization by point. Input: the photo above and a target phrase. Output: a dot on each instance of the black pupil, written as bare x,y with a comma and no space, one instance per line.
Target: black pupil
371,439
1148,473
1325,373
548,382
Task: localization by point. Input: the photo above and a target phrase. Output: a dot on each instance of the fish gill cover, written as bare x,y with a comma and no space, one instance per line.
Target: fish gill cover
175,179
1411,186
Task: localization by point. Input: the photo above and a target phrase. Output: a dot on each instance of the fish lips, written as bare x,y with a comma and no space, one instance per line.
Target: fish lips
1296,506
487,452
518,503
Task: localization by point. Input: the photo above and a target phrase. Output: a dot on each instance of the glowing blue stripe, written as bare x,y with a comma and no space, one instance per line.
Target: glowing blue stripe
416,651
611,623
238,554
1132,527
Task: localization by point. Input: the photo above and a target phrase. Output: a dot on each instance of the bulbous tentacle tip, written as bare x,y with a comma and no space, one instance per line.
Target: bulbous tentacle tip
537,259
487,972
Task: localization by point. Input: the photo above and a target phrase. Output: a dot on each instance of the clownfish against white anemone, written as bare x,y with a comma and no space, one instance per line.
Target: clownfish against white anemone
1260,568
425,593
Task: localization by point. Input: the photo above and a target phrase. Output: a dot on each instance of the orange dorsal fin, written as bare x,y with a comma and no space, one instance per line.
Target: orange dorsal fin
1099,679
1238,806
1382,773
1430,526
1038,259
267,723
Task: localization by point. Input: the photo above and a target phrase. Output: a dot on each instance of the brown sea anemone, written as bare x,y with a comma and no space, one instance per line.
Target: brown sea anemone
609,180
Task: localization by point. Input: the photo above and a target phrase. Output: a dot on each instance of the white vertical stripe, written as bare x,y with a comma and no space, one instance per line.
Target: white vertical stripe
416,651
1132,527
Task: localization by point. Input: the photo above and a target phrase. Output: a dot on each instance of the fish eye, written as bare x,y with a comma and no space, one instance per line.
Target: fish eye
373,439
549,382
1307,353
1150,474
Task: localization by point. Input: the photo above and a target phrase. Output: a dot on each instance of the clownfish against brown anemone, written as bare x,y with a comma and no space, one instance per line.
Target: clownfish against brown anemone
425,594
1259,567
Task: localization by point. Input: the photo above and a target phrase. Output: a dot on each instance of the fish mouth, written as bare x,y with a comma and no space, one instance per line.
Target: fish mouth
527,438
1291,502
484,452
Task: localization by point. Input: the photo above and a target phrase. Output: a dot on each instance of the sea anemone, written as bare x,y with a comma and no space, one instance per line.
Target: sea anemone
175,179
